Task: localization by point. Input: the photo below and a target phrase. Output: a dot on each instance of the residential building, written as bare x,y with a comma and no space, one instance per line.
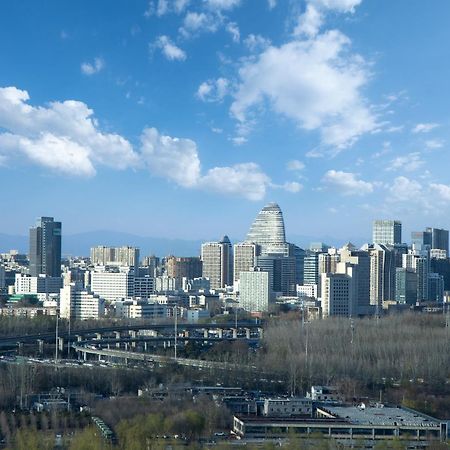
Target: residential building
337,295
77,303
254,291
183,267
113,285
115,256
244,257
217,259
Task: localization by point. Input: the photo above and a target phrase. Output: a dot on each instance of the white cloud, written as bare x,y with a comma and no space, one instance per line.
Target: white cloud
246,180
405,190
443,190
292,186
220,5
94,67
233,29
169,49
213,90
409,162
172,158
256,42
272,3
347,183
194,23
433,144
63,136
424,127
163,7
314,82
295,165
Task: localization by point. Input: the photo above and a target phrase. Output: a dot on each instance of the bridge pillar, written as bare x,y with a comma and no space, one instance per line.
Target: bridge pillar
133,335
145,346
247,333
61,344
41,346
79,337
108,346
117,335
261,333
220,333
20,347
98,336
234,330
85,356
126,346
206,333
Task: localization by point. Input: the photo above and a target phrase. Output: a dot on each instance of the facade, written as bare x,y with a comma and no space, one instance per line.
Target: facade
435,288
439,238
244,257
287,407
420,263
337,295
268,230
140,309
115,256
180,268
144,287
77,303
405,286
217,259
311,268
112,286
387,232
45,248
254,291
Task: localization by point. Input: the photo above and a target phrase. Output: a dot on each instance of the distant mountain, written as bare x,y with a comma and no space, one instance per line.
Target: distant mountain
79,244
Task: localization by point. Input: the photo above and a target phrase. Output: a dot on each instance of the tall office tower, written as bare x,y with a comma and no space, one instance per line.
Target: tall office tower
282,272
337,295
268,230
311,268
45,248
421,265
244,257
327,263
435,288
119,256
421,240
183,267
442,267
254,291
387,232
405,286
77,303
439,238
299,255
217,260
382,274
359,260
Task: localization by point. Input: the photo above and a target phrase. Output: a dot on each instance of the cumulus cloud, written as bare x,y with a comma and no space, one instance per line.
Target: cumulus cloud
213,90
92,68
272,3
347,183
409,162
314,82
292,186
434,144
404,189
222,5
62,136
169,49
442,190
424,127
163,7
202,22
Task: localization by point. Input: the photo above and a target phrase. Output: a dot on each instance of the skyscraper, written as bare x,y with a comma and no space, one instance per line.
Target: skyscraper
387,232
45,248
244,255
268,230
217,260
439,238
183,267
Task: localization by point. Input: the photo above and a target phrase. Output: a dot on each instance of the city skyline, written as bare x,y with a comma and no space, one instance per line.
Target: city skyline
150,104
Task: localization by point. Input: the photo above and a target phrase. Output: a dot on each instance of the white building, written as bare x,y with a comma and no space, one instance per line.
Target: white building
337,294
309,290
77,303
42,285
112,285
254,291
115,256
217,263
166,284
140,309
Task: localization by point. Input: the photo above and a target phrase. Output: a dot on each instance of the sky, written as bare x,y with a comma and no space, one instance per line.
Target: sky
182,118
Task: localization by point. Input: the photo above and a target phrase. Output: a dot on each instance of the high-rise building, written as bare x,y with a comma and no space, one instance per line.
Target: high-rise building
183,267
421,240
435,288
45,248
337,295
387,232
254,291
405,286
113,285
311,268
268,230
439,238
420,263
153,263
244,257
115,256
77,303
217,260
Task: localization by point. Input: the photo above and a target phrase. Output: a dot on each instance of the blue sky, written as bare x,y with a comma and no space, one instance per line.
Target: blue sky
178,118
